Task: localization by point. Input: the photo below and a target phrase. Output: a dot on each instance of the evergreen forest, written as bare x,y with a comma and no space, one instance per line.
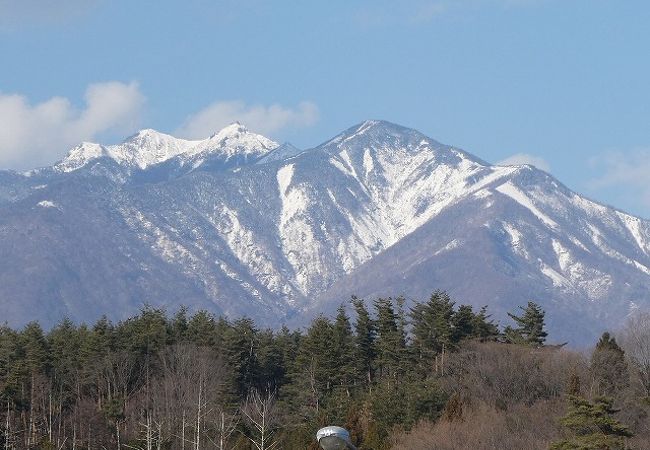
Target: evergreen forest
427,375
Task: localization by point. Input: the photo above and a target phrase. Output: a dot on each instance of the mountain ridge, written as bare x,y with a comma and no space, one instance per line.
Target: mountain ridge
280,233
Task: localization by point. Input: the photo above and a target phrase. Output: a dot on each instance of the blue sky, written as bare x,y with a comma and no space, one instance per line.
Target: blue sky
562,83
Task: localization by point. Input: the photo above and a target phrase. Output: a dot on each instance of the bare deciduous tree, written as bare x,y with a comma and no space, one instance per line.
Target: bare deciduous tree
635,340
188,395
501,375
260,413
485,427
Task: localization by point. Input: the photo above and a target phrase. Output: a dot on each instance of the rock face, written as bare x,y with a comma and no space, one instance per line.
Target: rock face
239,225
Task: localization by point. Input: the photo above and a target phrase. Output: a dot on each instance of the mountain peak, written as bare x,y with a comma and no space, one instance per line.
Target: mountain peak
237,139
234,129
79,156
147,132
150,135
375,130
380,199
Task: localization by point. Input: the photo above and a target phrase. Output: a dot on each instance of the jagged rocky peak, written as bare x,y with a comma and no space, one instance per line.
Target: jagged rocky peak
150,137
378,210
234,129
79,156
237,139
148,147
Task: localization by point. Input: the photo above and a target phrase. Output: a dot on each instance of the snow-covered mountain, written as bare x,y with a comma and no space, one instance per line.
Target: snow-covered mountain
240,225
148,148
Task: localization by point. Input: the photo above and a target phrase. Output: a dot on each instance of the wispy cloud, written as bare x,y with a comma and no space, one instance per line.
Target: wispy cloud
627,171
260,118
524,158
36,135
15,14
381,12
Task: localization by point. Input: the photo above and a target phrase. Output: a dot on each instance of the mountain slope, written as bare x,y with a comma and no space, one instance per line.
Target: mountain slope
242,226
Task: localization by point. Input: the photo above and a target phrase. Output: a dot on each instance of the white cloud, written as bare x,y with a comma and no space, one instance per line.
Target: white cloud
524,158
259,118
629,171
37,135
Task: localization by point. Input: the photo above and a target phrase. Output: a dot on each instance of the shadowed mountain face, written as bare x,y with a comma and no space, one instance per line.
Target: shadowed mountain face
238,225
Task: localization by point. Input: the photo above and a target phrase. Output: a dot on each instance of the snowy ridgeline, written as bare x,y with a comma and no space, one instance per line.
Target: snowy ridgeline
240,225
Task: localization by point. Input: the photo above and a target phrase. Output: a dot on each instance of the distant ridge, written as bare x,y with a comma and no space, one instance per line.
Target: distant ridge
240,225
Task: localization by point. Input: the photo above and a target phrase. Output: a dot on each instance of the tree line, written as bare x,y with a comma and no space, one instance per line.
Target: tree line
388,372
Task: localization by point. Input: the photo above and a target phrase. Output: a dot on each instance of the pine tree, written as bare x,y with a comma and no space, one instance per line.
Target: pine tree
365,334
202,329
180,325
36,361
241,346
100,341
315,369
433,329
530,327
11,369
289,342
391,340
344,352
64,341
36,349
484,328
592,426
270,355
146,333
609,367
463,322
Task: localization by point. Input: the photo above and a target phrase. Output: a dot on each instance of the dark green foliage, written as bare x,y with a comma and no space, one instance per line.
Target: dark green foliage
179,325
201,329
391,340
153,377
35,349
365,333
530,327
146,333
405,403
483,328
592,426
240,348
348,373
432,325
315,370
437,327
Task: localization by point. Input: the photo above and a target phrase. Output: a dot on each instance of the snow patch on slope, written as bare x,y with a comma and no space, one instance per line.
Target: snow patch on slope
298,240
368,163
47,204
514,193
516,239
284,176
633,225
455,243
556,278
248,250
